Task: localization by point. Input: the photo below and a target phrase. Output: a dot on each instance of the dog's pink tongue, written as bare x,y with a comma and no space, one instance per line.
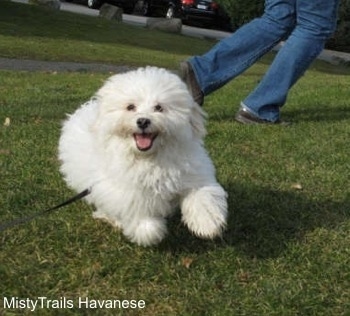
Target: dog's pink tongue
143,141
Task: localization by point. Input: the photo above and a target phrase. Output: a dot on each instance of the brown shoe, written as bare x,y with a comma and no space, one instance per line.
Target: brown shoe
188,76
245,117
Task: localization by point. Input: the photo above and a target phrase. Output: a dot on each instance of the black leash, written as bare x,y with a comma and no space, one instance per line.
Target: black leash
23,220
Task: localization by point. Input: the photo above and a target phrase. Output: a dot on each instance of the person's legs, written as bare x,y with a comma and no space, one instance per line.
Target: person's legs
316,21
233,55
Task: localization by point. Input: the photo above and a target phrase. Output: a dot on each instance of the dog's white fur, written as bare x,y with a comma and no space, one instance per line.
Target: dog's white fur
138,180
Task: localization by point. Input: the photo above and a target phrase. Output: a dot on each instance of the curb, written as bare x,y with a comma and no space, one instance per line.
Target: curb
335,57
330,56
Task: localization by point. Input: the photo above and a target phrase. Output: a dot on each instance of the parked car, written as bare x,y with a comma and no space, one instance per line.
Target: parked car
206,12
127,5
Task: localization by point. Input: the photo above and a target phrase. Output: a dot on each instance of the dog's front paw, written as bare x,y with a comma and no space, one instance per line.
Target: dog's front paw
204,211
146,232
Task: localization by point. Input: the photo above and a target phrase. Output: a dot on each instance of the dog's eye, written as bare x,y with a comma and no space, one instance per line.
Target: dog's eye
158,108
131,107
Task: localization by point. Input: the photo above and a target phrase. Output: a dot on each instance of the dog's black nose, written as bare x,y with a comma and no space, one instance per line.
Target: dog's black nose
143,122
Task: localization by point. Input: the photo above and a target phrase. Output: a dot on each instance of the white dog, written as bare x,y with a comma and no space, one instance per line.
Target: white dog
138,145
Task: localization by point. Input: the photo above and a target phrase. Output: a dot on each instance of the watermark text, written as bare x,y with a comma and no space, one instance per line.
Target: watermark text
43,302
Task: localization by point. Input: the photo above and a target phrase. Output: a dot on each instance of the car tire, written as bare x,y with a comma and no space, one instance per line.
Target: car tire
94,4
170,13
146,8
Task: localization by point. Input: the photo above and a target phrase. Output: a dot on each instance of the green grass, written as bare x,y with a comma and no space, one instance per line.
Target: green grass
286,250
35,33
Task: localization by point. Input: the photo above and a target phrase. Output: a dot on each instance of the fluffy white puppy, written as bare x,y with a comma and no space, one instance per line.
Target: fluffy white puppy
138,144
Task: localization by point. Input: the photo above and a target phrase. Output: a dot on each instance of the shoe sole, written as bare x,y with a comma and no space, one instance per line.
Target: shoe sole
243,119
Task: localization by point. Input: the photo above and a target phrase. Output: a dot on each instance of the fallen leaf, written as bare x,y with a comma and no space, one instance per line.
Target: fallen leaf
186,262
243,277
4,152
7,121
296,186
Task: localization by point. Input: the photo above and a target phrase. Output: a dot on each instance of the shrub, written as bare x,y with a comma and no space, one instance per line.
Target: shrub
241,12
341,39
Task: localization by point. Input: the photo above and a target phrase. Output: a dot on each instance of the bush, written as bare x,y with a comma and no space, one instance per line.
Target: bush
242,11
341,39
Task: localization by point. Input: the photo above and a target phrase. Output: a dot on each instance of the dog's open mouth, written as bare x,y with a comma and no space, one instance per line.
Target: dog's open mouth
144,141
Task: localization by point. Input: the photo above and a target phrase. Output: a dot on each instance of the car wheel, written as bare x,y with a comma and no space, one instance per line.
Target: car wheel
94,4
170,13
146,8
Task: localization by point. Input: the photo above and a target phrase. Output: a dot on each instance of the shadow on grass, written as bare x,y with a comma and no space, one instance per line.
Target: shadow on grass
322,113
262,222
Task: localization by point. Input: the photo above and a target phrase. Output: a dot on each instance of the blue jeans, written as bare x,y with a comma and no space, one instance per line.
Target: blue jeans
305,25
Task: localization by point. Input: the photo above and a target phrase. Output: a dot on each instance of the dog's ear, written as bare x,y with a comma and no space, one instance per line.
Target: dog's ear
198,117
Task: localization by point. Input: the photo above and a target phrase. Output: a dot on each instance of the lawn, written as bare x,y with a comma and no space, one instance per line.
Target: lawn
35,33
286,249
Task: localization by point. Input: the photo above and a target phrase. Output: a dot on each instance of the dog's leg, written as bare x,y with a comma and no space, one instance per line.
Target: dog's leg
146,231
204,210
